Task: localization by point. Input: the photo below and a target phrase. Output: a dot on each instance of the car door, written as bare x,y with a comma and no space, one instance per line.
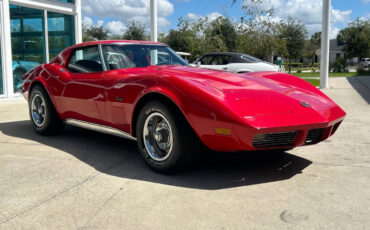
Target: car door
206,62
127,66
221,62
243,64
84,93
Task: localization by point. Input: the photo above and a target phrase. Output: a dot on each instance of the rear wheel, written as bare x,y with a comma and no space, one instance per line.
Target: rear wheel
164,138
44,117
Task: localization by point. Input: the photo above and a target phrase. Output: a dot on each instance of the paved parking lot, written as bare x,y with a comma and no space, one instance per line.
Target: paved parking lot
86,180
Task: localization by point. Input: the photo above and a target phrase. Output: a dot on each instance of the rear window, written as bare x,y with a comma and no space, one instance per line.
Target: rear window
85,60
250,59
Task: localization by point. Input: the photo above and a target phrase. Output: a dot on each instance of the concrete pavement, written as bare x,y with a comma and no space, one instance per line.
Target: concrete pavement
86,180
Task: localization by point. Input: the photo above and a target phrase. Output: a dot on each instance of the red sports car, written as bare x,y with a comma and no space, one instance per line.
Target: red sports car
145,91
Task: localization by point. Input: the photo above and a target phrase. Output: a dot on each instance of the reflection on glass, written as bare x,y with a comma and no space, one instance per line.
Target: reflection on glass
70,1
28,41
15,25
60,31
32,25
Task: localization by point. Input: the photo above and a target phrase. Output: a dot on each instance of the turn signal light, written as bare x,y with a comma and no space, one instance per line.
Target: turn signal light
223,131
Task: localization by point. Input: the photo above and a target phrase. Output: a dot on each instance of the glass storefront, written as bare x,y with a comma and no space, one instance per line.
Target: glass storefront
28,41
25,45
60,32
1,64
28,38
1,72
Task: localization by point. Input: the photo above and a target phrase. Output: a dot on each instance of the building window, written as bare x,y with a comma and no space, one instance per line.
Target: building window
1,69
28,41
60,32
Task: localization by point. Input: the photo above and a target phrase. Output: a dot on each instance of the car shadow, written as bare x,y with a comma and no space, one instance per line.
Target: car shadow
119,157
362,86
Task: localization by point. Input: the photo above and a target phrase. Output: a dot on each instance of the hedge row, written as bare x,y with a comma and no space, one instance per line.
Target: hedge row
300,65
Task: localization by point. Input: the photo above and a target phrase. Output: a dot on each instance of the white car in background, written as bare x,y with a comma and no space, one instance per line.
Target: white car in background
365,62
234,62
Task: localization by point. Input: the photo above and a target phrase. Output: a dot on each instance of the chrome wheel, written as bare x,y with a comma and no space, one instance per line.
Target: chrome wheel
38,110
158,137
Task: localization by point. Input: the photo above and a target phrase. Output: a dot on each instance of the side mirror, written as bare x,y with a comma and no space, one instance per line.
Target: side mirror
198,64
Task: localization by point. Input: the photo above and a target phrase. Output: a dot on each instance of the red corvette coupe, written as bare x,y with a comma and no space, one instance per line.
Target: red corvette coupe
145,91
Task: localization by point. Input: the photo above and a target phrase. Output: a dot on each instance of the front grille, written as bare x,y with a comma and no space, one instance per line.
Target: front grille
282,139
314,136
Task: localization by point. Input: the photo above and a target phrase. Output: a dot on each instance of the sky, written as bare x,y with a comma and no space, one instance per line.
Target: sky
115,14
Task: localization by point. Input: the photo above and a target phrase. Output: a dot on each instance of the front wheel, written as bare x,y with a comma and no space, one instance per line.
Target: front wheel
164,138
44,117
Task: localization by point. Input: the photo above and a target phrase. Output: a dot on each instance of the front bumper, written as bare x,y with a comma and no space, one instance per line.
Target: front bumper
243,138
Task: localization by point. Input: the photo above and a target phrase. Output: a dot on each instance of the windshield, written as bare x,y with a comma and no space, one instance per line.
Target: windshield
133,56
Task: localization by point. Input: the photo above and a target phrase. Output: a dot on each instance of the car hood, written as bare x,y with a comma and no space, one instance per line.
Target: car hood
261,94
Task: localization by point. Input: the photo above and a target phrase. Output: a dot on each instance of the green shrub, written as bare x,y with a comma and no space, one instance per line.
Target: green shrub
339,66
293,65
362,71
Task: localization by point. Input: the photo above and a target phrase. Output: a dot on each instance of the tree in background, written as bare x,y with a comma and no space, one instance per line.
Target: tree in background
223,33
356,39
92,32
311,46
135,31
258,33
294,33
189,37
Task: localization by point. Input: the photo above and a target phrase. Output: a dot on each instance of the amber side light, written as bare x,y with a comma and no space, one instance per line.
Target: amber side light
223,131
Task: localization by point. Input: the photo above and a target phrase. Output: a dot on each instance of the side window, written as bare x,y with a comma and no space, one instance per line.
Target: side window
206,60
117,57
221,60
85,60
246,59
126,56
249,59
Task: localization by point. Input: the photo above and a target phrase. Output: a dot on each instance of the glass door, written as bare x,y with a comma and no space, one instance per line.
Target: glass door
1,64
28,41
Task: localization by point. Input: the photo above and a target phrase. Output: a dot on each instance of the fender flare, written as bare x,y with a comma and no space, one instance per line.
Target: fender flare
142,98
37,81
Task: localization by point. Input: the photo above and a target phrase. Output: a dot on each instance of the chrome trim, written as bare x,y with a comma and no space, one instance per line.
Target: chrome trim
158,148
99,128
132,43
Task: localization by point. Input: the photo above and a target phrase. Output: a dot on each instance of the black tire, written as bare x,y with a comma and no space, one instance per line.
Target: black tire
184,145
51,124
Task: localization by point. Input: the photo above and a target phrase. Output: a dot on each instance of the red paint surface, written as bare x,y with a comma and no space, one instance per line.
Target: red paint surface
246,104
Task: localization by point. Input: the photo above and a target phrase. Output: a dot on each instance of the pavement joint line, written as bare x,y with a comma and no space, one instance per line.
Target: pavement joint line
14,142
31,158
38,204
